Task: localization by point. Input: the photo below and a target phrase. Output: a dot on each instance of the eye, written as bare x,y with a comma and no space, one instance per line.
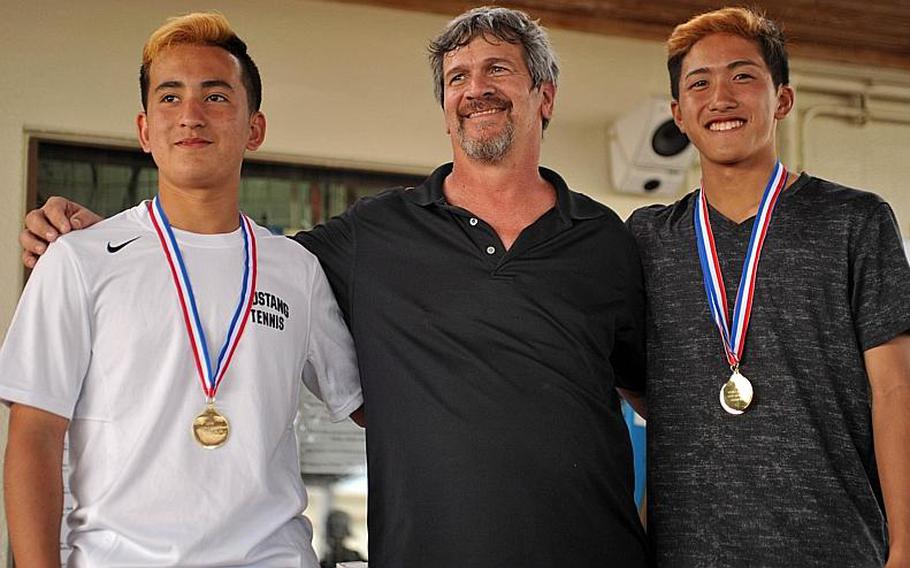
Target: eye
742,77
498,70
216,98
700,84
168,99
456,78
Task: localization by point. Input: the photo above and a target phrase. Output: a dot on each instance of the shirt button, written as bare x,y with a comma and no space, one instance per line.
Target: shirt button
473,221
491,250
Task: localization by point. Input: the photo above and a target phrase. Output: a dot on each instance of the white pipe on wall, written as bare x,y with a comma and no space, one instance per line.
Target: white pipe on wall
860,91
860,114
843,86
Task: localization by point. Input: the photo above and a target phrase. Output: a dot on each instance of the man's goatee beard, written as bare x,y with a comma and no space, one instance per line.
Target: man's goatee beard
489,150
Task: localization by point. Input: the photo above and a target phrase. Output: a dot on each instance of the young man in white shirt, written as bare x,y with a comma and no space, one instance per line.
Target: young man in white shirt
179,398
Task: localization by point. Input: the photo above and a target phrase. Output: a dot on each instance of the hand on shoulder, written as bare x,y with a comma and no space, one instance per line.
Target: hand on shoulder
42,226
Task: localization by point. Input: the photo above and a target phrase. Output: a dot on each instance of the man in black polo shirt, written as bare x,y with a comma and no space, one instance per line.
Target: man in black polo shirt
495,313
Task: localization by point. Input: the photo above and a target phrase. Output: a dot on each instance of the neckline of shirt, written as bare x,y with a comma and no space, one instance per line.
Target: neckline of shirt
197,240
718,219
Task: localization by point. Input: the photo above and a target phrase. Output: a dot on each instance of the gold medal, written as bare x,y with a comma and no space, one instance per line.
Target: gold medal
211,428
736,394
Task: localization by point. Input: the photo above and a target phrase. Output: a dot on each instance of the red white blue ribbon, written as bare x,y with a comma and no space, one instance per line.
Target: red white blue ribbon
211,373
733,334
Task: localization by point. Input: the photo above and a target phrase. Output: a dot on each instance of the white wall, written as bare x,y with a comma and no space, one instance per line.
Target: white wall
348,84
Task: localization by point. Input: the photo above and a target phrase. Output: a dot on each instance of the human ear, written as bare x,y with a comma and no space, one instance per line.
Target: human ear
548,93
142,132
677,115
257,131
785,99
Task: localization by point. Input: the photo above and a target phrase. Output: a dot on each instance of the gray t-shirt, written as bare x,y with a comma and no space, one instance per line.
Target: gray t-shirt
793,481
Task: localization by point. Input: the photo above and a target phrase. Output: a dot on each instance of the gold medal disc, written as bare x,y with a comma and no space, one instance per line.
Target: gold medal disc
211,428
736,394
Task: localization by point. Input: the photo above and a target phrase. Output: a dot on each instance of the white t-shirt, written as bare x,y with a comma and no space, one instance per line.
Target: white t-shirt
99,338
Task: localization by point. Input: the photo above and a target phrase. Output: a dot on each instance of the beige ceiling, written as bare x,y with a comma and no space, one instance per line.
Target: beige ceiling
871,32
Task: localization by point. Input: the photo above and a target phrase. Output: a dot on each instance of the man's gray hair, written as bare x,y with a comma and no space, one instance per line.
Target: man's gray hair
512,26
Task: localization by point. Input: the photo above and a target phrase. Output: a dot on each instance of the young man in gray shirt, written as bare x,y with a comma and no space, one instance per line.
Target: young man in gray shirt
786,445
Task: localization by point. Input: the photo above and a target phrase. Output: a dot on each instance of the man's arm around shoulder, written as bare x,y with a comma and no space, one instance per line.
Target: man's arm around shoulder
42,226
33,485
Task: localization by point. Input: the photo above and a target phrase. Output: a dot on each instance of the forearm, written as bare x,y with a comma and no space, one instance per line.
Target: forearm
33,489
891,427
888,366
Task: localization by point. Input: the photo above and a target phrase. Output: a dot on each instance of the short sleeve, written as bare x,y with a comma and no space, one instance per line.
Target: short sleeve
632,223
330,372
47,349
639,223
880,278
333,245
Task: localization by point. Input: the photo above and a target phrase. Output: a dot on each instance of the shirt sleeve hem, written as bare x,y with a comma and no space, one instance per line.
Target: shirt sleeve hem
59,407
886,335
340,413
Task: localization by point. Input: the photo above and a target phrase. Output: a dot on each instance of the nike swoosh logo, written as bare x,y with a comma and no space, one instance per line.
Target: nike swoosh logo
113,249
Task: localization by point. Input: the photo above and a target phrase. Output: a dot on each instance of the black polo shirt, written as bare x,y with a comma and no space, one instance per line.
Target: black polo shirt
495,436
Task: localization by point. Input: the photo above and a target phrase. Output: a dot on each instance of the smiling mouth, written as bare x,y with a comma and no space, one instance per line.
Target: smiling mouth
725,125
193,143
483,113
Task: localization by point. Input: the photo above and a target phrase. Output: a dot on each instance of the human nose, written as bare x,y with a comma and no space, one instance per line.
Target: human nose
192,115
722,97
479,85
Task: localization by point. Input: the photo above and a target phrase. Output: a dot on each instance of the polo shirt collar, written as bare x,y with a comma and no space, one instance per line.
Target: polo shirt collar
570,205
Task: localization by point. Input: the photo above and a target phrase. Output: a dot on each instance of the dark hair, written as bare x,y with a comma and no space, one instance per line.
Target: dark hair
743,22
201,28
511,26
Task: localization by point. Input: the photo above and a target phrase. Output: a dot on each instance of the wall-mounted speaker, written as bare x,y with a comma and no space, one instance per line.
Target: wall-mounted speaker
648,153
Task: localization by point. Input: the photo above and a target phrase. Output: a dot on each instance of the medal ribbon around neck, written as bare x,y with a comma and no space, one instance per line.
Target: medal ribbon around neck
734,336
210,375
